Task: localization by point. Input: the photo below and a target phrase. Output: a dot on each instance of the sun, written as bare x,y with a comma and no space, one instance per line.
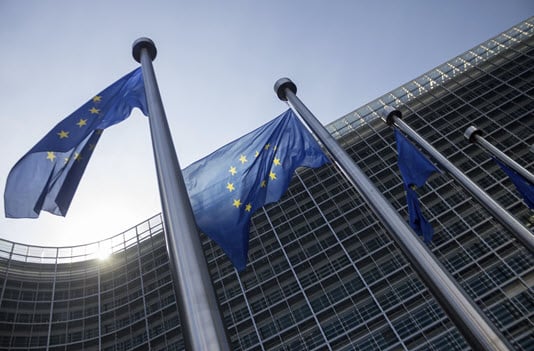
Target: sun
103,253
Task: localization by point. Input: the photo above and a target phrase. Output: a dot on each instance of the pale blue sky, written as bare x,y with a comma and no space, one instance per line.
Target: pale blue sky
216,66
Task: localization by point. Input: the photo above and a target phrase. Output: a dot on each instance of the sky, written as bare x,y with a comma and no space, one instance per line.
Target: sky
216,67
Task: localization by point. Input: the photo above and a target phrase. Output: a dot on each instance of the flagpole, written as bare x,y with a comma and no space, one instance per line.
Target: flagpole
521,232
202,324
474,135
475,327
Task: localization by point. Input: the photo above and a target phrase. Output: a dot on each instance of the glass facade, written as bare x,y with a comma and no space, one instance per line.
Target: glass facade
324,274
116,294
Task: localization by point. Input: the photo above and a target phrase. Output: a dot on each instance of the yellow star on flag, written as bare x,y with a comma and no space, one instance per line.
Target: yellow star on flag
248,207
97,98
230,187
277,161
263,184
63,134
50,156
77,157
272,175
232,170
81,122
94,110
242,159
237,203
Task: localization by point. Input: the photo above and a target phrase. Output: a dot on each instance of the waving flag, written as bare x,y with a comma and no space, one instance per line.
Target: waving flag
523,186
415,169
46,177
226,187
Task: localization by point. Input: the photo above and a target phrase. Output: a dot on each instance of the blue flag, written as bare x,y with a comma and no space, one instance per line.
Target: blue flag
523,186
226,187
415,169
48,175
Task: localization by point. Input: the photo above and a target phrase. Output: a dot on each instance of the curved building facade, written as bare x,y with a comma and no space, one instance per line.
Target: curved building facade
323,272
115,294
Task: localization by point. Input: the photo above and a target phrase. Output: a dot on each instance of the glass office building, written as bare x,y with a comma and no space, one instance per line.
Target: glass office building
324,273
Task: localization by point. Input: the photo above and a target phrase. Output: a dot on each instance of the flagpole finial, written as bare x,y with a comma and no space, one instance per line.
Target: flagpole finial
389,113
471,132
144,43
281,85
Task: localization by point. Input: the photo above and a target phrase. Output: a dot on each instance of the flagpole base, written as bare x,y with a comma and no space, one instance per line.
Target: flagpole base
144,43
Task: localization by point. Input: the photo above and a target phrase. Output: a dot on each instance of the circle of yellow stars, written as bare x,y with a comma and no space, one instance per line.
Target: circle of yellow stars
230,186
82,122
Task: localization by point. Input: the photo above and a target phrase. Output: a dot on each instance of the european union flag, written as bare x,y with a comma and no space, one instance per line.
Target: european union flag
48,175
226,187
523,186
415,169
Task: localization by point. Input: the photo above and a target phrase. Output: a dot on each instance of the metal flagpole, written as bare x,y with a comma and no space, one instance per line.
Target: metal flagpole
521,232
202,324
474,135
470,321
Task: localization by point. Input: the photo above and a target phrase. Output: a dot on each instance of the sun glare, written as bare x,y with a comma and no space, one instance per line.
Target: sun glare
103,254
